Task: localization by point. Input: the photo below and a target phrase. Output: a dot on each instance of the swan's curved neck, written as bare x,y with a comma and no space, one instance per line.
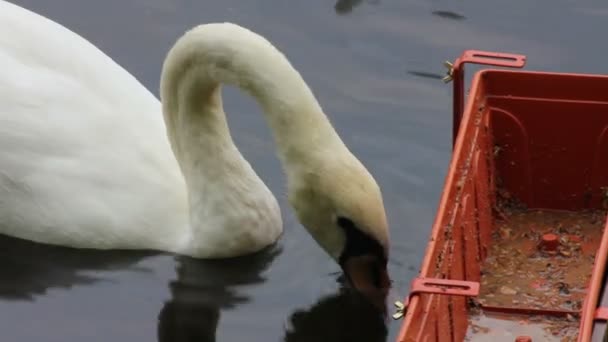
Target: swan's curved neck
215,54
224,193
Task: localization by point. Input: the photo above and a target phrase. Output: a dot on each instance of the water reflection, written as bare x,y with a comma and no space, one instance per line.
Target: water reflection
449,15
425,74
346,6
30,269
202,289
341,317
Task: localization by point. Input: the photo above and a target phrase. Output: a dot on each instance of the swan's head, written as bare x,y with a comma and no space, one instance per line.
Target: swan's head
340,204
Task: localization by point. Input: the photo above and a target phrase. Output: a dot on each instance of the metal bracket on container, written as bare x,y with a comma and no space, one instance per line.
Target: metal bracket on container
601,314
437,286
456,73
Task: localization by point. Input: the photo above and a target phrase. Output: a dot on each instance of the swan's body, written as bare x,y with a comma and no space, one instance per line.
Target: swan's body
85,161
91,159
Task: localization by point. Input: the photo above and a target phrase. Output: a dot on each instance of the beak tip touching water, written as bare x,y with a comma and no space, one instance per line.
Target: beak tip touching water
368,276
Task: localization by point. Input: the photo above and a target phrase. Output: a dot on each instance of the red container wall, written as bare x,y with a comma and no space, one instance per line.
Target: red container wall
544,139
458,241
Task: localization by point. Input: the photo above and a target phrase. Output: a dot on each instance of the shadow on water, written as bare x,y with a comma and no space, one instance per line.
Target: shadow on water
30,269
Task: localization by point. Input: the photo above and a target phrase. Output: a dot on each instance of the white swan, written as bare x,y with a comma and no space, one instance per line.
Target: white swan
87,161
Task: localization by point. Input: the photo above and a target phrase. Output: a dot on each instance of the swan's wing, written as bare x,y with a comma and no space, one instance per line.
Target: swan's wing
84,158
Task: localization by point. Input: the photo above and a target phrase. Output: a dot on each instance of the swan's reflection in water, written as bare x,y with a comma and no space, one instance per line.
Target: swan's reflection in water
30,269
201,290
193,313
342,317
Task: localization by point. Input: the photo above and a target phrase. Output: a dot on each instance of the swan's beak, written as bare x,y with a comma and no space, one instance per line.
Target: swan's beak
369,276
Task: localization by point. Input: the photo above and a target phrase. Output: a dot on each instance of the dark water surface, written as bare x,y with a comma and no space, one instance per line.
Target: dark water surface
373,66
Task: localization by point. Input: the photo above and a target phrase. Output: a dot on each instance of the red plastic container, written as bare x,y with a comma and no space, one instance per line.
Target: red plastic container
539,140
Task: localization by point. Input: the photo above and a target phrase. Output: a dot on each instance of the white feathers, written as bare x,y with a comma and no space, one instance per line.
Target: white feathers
91,159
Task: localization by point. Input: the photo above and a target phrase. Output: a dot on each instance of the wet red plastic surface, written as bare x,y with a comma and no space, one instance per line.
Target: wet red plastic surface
541,138
520,275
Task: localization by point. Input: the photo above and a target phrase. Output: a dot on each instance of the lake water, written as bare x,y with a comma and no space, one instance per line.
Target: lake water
374,66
